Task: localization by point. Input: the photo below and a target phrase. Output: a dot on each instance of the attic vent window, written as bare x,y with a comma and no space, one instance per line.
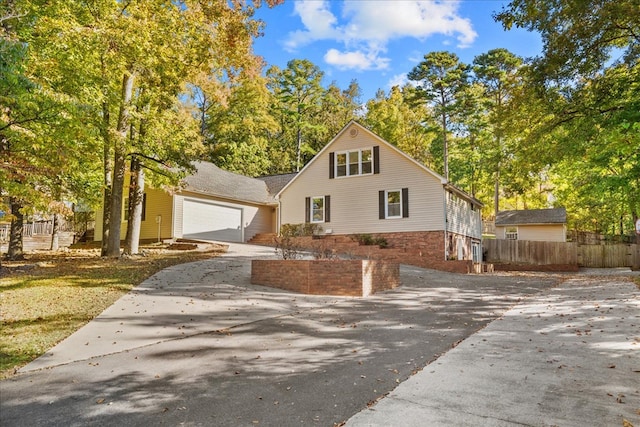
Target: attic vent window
353,132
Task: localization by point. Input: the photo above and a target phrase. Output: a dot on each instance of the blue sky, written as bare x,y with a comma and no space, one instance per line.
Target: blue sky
377,42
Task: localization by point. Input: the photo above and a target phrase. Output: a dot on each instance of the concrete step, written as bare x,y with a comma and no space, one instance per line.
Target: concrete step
264,239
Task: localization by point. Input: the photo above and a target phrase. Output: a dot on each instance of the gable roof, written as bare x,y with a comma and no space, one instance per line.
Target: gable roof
439,177
210,180
379,139
532,216
275,183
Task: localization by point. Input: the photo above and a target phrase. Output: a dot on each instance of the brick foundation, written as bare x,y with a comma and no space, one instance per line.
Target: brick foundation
423,249
326,277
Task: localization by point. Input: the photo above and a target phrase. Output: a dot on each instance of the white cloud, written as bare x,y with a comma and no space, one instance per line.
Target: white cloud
318,21
356,60
398,80
385,20
366,26
401,80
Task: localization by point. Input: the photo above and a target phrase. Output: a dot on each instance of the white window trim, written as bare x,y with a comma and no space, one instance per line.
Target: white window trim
510,235
386,204
311,219
346,153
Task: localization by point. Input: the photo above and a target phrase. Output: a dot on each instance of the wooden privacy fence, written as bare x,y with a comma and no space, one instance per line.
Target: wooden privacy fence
609,256
560,253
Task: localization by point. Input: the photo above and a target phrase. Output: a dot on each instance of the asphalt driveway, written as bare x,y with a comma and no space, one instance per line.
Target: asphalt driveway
197,344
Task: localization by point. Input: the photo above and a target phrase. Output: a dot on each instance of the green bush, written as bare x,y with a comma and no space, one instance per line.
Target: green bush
369,240
286,244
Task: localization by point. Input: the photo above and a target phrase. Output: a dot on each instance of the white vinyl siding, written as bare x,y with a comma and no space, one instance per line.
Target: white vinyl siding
461,218
354,201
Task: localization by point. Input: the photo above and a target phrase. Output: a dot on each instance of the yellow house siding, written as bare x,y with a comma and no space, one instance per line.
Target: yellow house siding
547,233
354,200
158,203
541,232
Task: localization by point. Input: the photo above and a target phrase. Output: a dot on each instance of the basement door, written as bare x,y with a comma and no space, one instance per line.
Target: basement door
202,220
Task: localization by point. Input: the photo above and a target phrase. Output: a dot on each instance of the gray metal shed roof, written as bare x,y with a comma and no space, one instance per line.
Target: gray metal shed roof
209,179
532,216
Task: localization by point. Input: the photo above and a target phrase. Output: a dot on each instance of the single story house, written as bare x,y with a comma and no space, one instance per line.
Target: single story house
357,184
548,225
213,204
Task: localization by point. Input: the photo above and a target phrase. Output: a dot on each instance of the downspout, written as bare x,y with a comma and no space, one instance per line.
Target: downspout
446,222
278,216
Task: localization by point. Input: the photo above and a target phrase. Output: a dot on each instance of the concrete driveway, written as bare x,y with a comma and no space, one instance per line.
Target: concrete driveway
197,344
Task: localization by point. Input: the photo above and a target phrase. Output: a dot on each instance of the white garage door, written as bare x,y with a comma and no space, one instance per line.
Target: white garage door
207,221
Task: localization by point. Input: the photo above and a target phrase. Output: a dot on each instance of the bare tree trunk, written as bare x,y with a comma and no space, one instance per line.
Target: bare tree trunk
119,167
55,233
136,197
299,149
445,146
496,193
634,217
496,190
108,170
15,251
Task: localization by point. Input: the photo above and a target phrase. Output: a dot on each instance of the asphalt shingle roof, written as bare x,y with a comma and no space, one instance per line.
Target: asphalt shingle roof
211,180
532,216
275,183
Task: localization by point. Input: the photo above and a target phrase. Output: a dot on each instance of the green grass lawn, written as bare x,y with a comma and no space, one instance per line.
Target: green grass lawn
49,296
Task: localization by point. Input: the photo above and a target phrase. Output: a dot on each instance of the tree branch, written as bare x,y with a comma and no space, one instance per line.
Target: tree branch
153,159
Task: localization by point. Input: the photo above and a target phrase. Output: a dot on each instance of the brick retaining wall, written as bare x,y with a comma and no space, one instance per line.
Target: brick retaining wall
422,249
326,277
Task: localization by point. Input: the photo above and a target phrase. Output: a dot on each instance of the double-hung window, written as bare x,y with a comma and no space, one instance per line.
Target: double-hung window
511,233
317,209
393,203
354,162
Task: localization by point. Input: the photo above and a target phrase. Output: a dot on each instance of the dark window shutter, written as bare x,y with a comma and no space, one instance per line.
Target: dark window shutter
332,161
327,208
381,204
307,209
376,159
405,203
